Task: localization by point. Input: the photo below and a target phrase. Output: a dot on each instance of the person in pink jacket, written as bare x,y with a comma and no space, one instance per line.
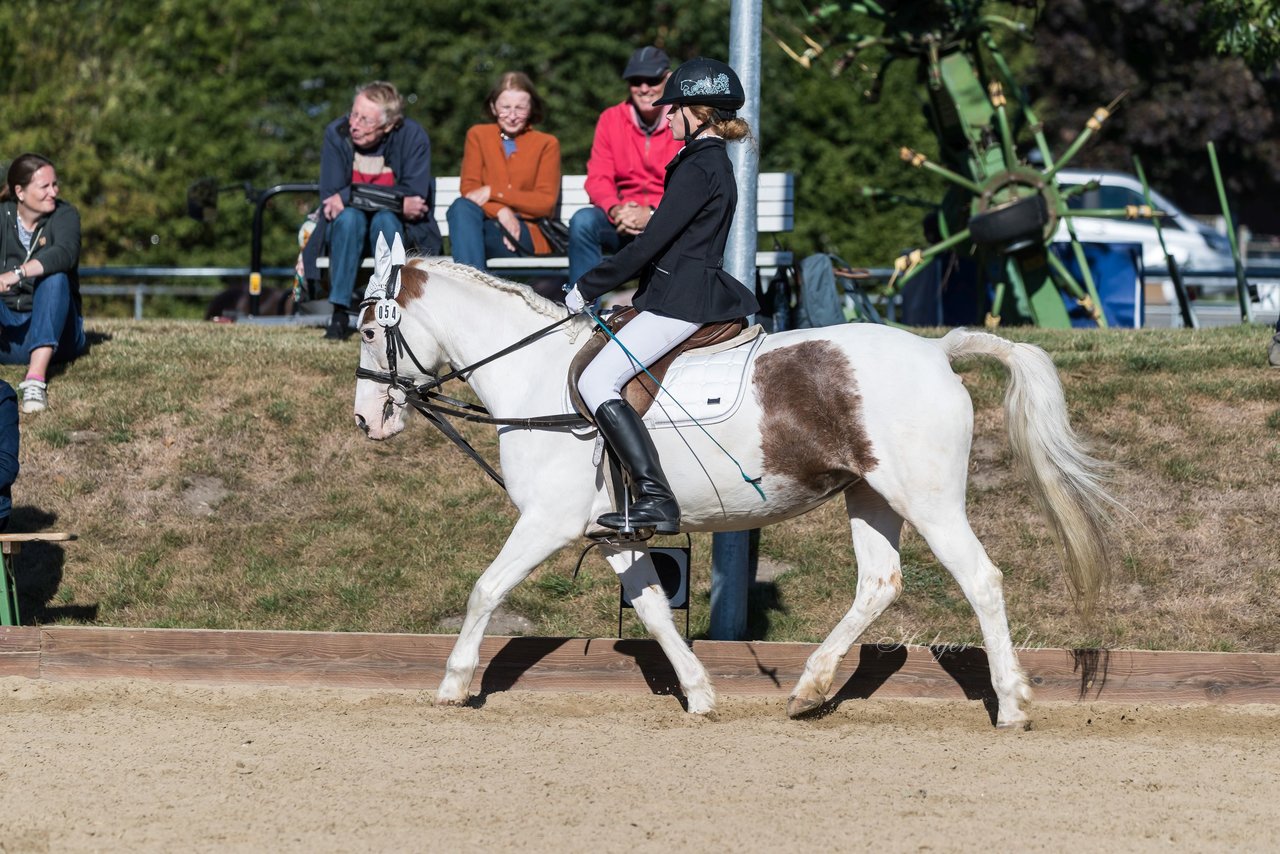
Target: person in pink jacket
629,156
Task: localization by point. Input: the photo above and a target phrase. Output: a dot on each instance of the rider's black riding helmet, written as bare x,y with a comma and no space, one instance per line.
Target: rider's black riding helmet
705,81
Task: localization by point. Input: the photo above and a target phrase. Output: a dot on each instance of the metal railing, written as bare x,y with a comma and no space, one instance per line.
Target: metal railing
140,282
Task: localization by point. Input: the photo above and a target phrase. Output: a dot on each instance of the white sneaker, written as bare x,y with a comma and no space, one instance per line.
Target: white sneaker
35,395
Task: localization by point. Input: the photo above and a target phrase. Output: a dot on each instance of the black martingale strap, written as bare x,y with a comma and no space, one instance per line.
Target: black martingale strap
458,439
480,415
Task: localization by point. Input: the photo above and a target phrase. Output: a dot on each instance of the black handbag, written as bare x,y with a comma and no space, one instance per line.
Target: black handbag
372,197
556,233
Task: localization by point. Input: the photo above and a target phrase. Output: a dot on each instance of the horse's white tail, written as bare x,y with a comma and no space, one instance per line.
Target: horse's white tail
1067,481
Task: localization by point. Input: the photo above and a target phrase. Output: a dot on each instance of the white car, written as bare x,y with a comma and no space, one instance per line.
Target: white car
1193,245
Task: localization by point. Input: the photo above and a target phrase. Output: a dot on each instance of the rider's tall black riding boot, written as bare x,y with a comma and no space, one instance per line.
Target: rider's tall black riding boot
653,506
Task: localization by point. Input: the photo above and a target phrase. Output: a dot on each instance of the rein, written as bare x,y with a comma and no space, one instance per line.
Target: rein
435,406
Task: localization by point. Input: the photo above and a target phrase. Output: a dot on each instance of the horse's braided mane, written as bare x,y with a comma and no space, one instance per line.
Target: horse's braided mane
542,305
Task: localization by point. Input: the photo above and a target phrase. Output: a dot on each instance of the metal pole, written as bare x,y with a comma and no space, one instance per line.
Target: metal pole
731,569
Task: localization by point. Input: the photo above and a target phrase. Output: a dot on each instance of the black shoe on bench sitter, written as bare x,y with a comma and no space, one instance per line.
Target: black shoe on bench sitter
339,325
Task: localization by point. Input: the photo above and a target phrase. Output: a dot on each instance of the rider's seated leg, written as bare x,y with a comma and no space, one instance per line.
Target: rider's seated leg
641,342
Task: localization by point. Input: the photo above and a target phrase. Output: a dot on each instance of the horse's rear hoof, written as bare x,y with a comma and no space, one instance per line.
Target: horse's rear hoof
447,701
799,707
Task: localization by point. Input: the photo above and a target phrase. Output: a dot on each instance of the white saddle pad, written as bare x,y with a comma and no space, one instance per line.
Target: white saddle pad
705,385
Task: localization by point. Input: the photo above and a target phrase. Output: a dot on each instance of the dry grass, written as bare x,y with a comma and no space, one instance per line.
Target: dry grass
216,480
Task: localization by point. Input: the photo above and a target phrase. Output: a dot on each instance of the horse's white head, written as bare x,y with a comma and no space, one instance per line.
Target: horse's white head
393,345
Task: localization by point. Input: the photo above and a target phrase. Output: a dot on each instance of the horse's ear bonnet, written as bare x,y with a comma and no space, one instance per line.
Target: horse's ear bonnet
386,262
381,268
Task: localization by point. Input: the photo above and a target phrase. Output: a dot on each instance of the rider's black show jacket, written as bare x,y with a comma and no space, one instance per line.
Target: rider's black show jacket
678,257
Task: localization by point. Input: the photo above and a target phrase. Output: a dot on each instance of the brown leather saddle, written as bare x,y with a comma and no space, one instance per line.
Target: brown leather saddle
640,390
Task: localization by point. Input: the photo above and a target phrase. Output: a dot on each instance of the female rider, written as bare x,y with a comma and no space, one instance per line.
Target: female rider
678,259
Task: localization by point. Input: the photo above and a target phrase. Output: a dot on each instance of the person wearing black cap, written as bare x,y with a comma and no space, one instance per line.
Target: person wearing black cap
678,259
631,148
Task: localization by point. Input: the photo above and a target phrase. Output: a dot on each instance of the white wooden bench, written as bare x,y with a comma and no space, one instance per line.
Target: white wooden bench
775,214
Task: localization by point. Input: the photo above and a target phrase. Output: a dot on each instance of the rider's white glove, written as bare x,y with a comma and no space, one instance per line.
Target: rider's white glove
574,302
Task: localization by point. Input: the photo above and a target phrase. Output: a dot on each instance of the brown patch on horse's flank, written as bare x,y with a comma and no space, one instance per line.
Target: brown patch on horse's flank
812,429
413,282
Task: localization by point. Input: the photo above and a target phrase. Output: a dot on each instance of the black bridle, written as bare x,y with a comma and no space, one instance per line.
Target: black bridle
436,407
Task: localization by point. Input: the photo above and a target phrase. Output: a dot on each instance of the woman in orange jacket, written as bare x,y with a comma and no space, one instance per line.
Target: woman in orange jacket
510,177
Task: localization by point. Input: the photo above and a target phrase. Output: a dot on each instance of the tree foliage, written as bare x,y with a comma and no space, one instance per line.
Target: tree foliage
1181,94
134,101
1249,29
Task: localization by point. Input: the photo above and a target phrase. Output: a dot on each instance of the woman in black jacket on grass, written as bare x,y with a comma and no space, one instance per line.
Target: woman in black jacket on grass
39,281
678,259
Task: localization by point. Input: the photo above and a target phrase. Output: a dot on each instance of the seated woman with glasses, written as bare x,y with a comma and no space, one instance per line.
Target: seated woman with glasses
510,176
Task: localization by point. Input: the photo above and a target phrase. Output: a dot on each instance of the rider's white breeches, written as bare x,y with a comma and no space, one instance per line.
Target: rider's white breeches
648,337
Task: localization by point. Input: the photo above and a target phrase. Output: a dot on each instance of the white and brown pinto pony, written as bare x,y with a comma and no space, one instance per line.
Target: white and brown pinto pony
868,412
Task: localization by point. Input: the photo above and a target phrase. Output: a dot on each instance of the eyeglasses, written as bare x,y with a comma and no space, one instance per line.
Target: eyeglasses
651,82
365,121
511,111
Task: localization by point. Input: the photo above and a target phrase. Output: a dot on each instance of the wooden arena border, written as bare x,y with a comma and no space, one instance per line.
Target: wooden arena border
416,662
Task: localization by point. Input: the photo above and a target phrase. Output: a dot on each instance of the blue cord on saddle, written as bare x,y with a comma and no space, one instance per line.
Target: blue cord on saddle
754,481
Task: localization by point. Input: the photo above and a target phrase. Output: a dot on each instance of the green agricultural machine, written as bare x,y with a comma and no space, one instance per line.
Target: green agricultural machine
998,207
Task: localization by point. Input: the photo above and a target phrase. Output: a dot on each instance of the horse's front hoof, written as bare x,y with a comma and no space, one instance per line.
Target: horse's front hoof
1013,726
701,703
799,707
451,701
